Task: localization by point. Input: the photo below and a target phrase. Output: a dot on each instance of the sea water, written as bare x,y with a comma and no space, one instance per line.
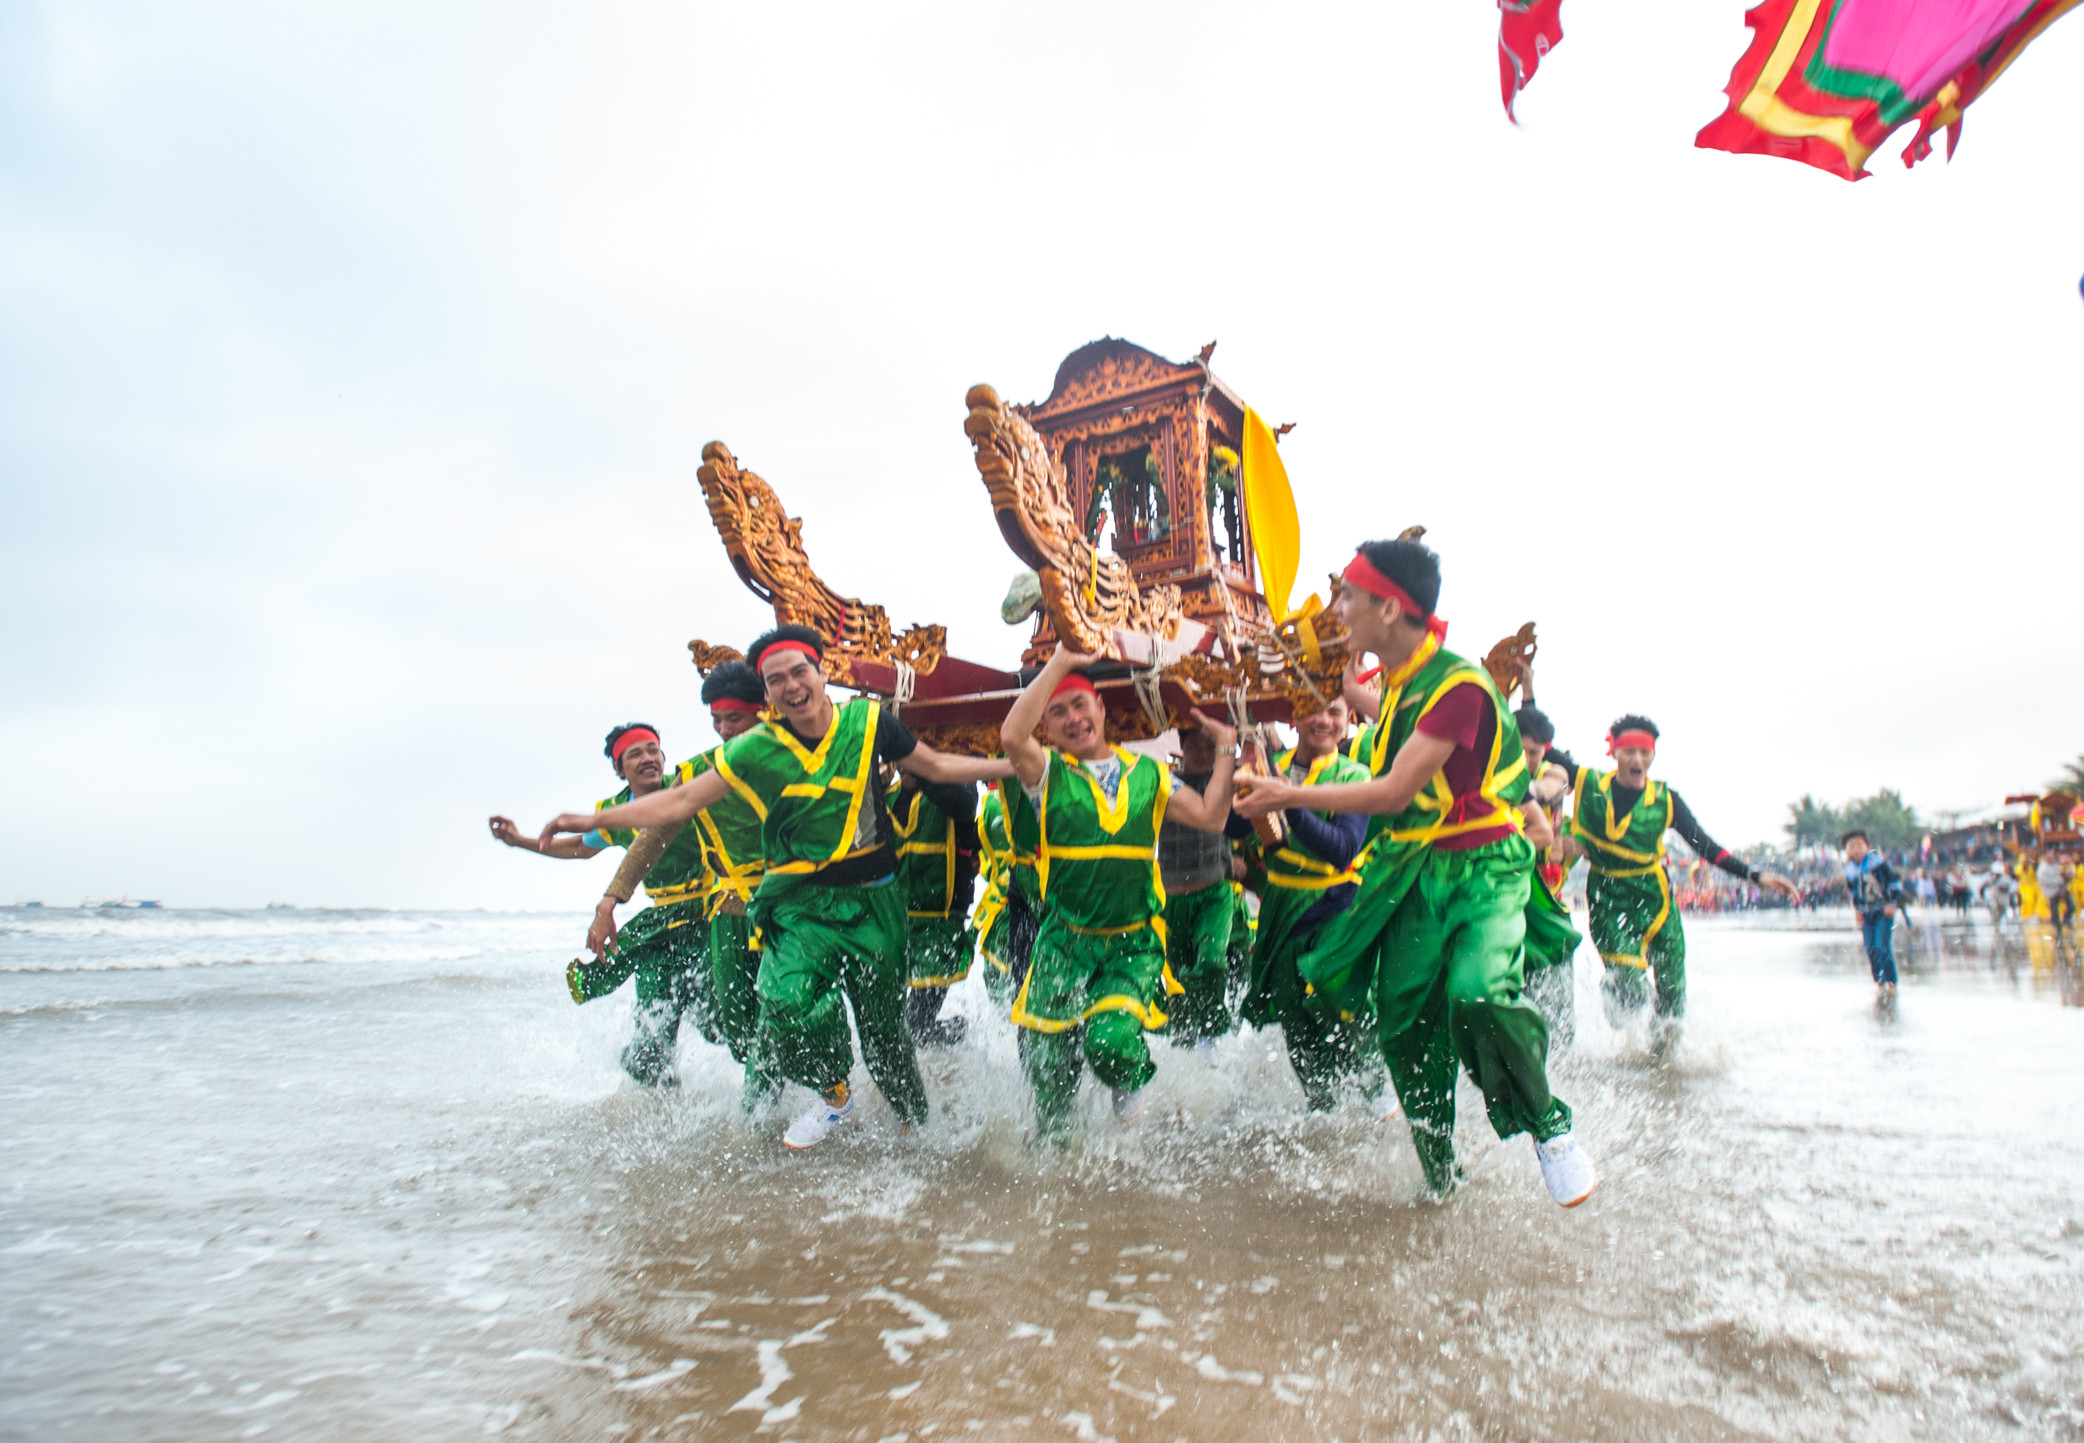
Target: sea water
353,1175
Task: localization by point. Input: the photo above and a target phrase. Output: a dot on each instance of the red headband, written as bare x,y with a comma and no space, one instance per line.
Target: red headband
803,646
1631,738
732,703
1075,681
629,739
1361,572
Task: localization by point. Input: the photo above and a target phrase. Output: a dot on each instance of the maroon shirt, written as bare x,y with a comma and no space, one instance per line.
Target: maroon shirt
1467,717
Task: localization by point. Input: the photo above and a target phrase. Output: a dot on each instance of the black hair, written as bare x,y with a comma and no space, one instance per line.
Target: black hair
807,635
1534,724
1846,840
1632,722
1411,565
616,735
736,680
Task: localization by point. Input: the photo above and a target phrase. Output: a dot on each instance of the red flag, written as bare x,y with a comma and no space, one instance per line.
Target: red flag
1525,34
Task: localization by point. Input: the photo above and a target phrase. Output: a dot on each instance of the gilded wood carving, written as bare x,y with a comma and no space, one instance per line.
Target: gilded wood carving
708,658
1086,593
765,545
1511,664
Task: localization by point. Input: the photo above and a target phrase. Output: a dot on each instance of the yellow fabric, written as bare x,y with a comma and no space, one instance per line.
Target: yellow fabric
1270,515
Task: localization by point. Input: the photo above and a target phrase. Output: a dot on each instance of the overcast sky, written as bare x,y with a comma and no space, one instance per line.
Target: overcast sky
355,362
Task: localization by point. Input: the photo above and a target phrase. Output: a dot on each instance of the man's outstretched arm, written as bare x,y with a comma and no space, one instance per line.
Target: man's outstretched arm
570,849
668,807
1416,762
929,765
1707,847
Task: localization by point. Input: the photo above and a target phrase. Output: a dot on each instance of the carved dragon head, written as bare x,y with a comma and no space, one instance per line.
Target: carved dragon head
1087,594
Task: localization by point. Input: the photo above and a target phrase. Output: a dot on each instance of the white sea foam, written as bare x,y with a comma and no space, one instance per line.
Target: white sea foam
43,940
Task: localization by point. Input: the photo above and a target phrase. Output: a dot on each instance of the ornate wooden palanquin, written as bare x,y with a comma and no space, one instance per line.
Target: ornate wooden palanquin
1123,491
1155,443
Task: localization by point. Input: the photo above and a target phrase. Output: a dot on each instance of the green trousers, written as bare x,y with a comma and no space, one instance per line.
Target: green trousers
824,948
938,950
1636,928
1243,928
1007,948
1087,1001
734,971
667,950
1198,929
1326,1050
1448,995
1551,974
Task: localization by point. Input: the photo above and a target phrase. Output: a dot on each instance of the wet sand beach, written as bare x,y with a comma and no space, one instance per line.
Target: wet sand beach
358,1175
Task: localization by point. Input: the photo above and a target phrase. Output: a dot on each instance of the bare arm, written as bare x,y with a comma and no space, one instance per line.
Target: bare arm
933,766
1029,758
1416,763
570,849
667,807
1208,810
1539,832
637,862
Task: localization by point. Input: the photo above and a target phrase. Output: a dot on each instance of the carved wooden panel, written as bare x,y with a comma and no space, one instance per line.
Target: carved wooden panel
765,545
1086,593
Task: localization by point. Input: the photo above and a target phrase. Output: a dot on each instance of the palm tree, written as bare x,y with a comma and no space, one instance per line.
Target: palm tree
1810,821
2071,780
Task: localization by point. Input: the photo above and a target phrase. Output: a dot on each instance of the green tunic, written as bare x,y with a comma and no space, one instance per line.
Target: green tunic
1434,937
1099,959
938,944
666,947
1634,924
1325,1050
824,946
1340,961
731,844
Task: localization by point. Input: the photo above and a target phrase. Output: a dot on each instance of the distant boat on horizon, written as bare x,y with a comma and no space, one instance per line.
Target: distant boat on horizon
281,907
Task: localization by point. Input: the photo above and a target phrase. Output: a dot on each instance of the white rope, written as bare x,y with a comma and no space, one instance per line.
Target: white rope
1148,681
1240,717
907,682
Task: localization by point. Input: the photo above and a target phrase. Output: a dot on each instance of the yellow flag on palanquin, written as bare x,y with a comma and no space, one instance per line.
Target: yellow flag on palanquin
1270,513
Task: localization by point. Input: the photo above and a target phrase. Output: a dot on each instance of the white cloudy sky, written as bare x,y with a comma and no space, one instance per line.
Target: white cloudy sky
355,360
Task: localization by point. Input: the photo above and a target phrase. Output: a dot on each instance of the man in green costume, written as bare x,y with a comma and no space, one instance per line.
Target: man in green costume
667,944
828,912
1434,933
1096,980
937,871
1200,907
1552,940
730,833
1009,912
1620,818
1309,880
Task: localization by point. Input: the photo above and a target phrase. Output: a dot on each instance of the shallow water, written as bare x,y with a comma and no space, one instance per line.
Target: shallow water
353,1175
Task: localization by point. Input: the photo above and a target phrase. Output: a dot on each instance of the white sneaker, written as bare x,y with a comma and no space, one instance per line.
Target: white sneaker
1567,1169
1128,1106
1385,1107
809,1130
1207,1048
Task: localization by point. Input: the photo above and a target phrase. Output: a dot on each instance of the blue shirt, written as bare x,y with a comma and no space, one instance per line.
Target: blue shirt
1872,884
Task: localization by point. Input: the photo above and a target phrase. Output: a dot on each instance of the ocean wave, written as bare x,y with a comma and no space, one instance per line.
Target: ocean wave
148,962
165,940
